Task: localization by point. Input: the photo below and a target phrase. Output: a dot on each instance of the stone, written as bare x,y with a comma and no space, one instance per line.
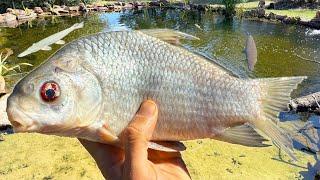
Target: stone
270,6
262,4
280,18
3,113
271,16
38,10
261,12
82,7
7,17
317,15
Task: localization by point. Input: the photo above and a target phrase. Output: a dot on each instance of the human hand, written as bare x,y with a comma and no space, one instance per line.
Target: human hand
136,161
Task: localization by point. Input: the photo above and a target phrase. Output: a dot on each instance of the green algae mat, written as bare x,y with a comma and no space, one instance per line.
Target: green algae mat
36,156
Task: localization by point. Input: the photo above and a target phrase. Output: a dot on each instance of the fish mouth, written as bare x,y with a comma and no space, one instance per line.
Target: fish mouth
20,121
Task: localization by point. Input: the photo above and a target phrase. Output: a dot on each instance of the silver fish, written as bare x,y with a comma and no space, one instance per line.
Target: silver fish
251,52
92,87
313,32
56,38
197,26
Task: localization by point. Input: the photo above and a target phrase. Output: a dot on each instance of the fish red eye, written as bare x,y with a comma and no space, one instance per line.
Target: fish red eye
50,91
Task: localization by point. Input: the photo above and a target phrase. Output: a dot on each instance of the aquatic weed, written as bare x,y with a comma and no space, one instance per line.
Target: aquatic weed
5,69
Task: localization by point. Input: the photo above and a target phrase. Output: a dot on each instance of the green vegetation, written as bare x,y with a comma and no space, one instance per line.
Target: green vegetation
35,156
5,69
230,6
305,14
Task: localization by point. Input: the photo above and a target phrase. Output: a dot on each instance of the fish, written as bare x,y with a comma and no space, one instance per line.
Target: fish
92,87
56,38
197,26
251,52
313,32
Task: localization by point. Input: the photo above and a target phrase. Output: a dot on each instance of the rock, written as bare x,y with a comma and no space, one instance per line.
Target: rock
7,18
291,20
38,10
2,85
3,114
101,8
129,6
73,8
31,15
82,7
317,15
280,18
262,4
270,6
271,16
10,10
261,12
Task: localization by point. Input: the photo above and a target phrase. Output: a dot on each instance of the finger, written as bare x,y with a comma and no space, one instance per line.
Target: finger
135,141
106,156
145,119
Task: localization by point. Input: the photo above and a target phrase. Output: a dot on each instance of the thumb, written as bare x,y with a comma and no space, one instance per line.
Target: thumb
136,137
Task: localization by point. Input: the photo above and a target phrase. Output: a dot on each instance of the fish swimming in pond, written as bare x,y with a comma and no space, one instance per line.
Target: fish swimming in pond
92,87
251,52
313,32
56,38
197,26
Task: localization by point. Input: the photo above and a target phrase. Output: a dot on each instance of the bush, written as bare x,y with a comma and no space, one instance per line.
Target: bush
230,7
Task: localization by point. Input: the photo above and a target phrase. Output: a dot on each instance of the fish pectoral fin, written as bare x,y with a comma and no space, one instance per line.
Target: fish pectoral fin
167,146
169,35
60,42
46,48
243,135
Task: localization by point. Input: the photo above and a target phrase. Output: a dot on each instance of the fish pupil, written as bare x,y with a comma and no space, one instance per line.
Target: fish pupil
50,93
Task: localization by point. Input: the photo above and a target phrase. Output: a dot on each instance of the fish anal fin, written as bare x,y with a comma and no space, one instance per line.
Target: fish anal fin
46,48
60,42
243,135
169,35
167,146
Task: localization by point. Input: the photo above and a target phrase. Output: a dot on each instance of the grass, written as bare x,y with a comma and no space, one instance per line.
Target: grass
35,156
305,14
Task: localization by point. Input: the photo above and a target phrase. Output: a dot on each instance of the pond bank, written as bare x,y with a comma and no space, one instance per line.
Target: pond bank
14,17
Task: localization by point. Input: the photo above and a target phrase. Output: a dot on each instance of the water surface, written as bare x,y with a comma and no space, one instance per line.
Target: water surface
282,49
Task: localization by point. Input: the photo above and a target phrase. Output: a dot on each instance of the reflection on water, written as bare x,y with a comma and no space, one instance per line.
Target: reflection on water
282,49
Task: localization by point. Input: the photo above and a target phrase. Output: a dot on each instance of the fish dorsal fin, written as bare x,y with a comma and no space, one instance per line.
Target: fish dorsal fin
167,146
169,35
68,65
244,135
46,48
60,42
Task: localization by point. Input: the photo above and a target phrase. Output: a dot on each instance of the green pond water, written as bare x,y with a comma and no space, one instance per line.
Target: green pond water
282,49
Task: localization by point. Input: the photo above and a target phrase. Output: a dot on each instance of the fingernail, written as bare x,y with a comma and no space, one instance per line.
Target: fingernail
147,108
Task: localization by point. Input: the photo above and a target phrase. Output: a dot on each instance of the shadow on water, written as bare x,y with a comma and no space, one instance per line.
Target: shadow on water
280,47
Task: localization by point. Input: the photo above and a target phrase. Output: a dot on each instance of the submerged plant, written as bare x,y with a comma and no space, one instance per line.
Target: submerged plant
5,69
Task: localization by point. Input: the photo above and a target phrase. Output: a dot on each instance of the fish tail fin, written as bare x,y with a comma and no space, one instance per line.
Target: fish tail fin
78,25
275,95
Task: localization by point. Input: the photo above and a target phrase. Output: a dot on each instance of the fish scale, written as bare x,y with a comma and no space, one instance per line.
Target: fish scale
111,73
176,65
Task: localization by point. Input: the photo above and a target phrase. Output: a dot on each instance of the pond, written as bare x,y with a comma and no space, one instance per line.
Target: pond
282,49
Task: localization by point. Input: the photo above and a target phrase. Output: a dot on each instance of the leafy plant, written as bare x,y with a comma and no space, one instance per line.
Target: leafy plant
230,7
240,12
5,69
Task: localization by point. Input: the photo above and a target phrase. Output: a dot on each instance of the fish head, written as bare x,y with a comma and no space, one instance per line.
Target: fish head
57,97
